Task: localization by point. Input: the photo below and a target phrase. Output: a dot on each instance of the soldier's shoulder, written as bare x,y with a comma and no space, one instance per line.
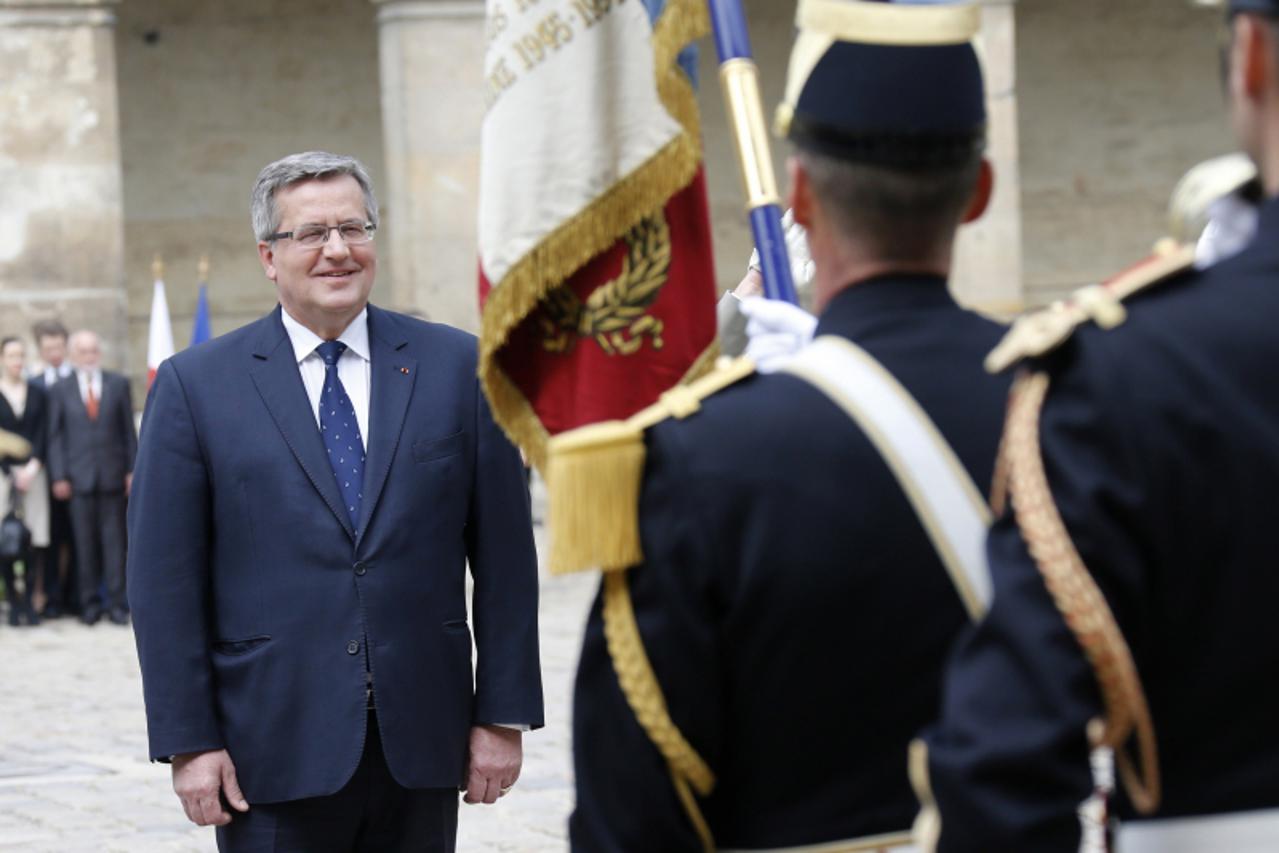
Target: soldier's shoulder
1039,333
594,475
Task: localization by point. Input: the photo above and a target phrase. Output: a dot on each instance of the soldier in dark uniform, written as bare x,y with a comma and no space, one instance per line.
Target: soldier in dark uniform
793,601
1134,574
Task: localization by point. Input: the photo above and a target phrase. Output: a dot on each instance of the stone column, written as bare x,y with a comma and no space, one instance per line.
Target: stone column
432,63
61,205
988,271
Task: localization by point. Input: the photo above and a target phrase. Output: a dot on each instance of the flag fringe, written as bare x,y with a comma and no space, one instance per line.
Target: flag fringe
594,229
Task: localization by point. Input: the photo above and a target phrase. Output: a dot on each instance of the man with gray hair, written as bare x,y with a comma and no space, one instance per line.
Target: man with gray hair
309,491
92,444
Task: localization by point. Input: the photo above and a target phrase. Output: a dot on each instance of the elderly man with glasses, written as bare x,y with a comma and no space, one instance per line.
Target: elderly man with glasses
309,492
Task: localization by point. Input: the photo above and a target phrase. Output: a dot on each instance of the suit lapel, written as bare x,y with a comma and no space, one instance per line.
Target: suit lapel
102,398
391,378
280,384
76,398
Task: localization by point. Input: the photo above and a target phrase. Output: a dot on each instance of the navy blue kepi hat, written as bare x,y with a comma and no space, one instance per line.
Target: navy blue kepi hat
886,83
1262,7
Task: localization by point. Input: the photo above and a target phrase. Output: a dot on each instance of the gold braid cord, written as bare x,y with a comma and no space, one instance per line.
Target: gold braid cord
689,771
1078,598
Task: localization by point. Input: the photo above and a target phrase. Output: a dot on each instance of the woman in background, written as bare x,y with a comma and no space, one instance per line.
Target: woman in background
24,410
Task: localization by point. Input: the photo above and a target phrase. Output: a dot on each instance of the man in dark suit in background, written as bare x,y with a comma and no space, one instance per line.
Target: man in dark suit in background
310,491
92,444
62,592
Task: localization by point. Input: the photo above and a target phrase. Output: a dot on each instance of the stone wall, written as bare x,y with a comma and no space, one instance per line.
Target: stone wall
1106,105
60,193
1117,101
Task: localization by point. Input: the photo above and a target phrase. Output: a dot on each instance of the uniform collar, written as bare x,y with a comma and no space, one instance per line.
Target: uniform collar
304,341
861,308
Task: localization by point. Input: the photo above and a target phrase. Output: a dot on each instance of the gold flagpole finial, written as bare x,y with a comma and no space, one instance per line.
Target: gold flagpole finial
157,267
204,268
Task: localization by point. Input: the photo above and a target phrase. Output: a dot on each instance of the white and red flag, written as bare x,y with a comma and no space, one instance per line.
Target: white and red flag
596,279
160,338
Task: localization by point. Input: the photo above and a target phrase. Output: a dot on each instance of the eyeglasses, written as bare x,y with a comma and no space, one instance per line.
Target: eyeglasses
315,236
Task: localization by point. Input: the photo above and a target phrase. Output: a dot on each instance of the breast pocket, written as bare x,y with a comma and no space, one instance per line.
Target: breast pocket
428,450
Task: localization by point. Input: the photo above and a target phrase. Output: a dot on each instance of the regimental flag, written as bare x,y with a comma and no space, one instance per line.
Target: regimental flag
596,275
160,337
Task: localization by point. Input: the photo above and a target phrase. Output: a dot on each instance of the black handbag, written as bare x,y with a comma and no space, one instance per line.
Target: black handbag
15,536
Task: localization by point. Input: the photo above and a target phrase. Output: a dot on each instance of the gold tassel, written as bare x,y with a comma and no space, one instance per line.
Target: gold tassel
593,488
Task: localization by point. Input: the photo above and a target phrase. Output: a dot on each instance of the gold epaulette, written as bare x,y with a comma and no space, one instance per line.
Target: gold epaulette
14,446
594,473
1041,332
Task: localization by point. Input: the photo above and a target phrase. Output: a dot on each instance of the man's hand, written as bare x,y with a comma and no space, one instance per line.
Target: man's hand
128,484
198,780
495,757
62,490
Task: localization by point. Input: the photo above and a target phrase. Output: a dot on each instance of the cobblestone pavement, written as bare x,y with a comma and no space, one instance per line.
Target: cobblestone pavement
74,776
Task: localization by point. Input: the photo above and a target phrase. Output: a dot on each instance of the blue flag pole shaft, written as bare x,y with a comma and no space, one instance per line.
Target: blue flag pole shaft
739,78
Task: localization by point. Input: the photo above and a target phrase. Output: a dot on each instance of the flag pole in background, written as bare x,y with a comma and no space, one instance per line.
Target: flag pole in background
739,79
160,336
201,327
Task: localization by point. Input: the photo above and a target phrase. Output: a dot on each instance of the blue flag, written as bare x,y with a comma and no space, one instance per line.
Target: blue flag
201,330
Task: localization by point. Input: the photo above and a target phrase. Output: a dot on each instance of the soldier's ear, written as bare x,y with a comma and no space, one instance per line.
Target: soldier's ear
800,196
982,191
1251,58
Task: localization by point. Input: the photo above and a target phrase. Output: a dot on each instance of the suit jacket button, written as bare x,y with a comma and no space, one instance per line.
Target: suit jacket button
360,568
352,647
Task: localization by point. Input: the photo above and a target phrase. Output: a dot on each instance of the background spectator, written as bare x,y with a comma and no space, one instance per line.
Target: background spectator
92,444
24,410
59,587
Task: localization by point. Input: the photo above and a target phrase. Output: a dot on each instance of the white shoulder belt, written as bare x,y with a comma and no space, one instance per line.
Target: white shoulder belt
1240,832
948,504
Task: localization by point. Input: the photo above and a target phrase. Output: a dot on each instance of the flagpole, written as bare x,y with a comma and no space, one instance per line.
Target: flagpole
739,79
201,328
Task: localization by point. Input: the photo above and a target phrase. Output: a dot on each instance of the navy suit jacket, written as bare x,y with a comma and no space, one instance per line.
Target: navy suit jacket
257,607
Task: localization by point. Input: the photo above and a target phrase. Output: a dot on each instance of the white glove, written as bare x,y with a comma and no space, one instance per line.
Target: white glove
801,262
777,330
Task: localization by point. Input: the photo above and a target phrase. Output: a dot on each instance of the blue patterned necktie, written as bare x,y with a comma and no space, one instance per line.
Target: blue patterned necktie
341,432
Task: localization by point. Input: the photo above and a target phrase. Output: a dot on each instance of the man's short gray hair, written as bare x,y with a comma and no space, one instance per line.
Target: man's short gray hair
302,167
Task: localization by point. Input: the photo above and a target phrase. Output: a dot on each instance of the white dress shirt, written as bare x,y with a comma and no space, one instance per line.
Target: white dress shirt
53,374
354,366
90,379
